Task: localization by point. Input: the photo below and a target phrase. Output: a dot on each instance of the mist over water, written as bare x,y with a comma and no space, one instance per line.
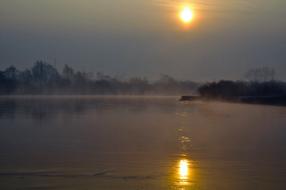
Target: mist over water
92,142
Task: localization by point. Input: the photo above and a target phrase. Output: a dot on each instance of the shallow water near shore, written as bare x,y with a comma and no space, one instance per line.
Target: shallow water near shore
89,142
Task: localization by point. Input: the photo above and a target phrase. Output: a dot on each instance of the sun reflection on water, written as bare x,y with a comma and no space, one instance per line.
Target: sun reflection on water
183,176
184,172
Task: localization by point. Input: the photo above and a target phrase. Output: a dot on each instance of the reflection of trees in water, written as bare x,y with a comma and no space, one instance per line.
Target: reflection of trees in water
47,107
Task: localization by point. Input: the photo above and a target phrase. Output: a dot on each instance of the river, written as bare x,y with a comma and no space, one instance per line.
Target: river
139,143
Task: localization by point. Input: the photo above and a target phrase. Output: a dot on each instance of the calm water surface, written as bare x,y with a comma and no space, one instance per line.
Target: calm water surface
87,143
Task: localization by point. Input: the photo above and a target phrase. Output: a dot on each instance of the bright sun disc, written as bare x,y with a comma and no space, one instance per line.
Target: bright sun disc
186,14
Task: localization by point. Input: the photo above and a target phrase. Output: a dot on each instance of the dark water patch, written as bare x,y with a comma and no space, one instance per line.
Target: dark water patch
60,174
52,174
135,177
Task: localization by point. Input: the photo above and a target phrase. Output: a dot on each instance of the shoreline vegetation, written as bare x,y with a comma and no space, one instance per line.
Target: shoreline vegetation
253,92
43,79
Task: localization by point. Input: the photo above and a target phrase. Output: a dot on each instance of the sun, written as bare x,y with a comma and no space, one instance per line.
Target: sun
186,14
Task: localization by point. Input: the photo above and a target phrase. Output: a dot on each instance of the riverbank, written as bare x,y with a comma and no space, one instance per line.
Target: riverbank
265,100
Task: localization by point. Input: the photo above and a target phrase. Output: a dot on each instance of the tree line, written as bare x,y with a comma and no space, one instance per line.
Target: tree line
260,83
44,78
234,89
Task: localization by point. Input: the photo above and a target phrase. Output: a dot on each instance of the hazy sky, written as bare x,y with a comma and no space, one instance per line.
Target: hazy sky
146,37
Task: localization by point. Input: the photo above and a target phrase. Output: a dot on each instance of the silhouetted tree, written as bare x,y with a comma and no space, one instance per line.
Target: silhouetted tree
11,73
8,83
45,75
68,73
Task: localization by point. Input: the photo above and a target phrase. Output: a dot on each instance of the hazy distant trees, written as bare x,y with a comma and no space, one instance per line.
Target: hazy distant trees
11,73
6,85
45,75
68,73
43,78
167,84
